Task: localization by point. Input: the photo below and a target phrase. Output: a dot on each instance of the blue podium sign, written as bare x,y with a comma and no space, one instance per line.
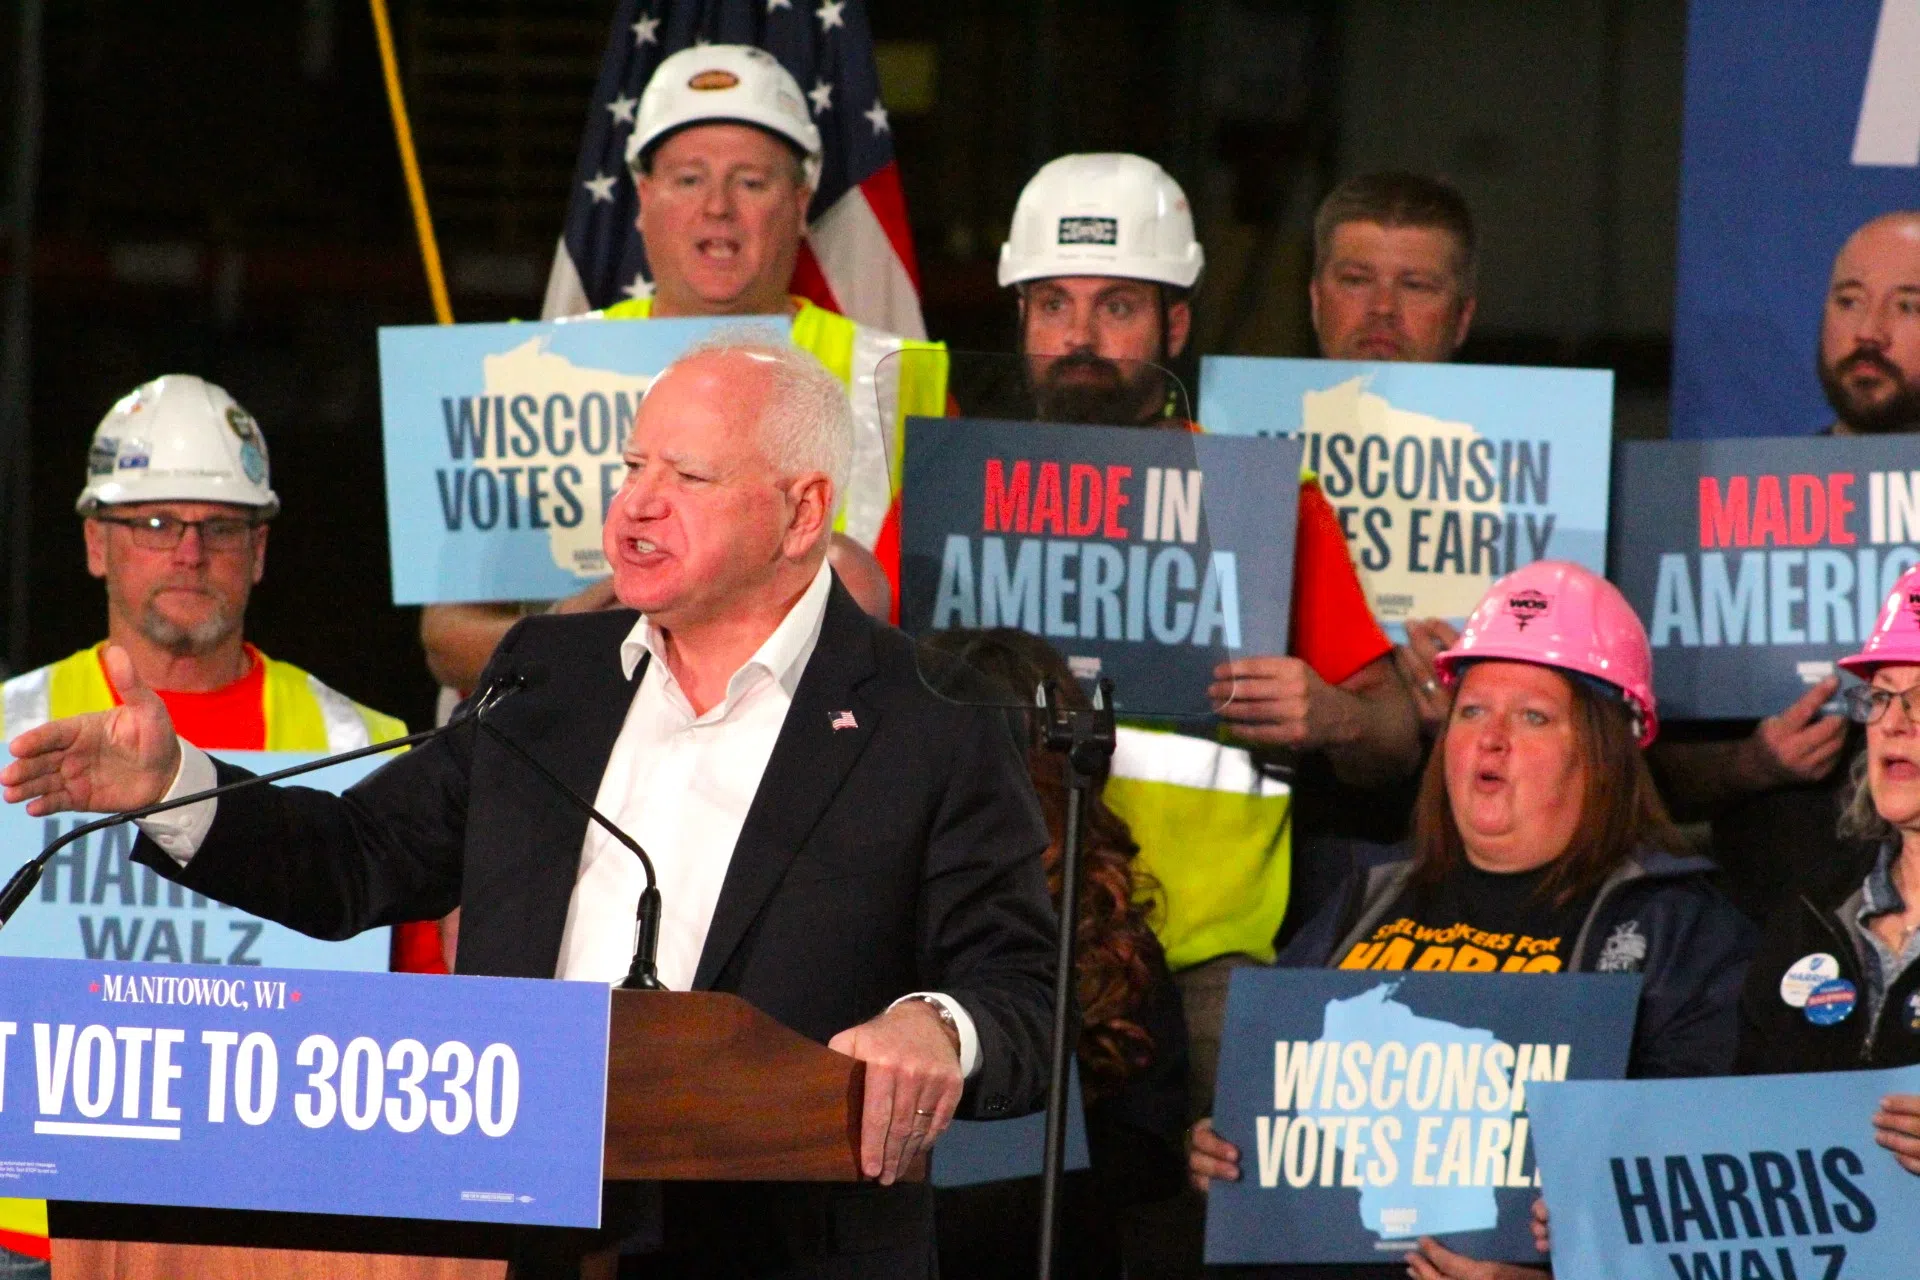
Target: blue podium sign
393,1095
96,903
1756,564
1444,476
1372,1110
1761,1178
503,447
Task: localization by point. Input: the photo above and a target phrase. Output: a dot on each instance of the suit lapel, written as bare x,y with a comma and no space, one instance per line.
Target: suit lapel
572,732
812,757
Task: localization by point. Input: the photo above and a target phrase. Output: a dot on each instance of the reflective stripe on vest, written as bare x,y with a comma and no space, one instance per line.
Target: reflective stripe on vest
302,714
881,392
1214,833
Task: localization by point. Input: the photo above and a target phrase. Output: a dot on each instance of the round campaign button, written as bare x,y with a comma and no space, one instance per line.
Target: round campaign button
1805,974
1830,1002
1913,1012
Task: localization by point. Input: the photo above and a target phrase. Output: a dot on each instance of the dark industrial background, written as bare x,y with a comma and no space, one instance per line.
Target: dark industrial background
213,188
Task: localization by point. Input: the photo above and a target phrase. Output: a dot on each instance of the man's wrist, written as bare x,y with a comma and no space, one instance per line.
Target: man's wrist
941,1013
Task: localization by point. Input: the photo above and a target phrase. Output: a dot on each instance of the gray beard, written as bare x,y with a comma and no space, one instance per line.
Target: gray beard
187,641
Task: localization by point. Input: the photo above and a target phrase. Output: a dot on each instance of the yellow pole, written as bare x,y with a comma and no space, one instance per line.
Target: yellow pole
410,163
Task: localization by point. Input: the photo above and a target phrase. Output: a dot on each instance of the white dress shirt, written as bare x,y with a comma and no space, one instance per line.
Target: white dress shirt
679,783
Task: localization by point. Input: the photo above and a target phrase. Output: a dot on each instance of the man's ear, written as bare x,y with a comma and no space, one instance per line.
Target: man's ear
259,553
1179,327
96,535
1464,323
811,500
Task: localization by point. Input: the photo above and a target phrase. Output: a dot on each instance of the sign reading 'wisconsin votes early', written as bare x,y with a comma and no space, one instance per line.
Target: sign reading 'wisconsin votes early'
395,1095
96,903
1757,563
1370,1111
1761,1178
503,448
1141,554
1444,476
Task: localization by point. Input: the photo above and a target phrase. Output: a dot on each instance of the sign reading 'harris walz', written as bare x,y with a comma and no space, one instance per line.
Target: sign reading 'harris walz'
1371,1110
396,1095
1758,563
1141,554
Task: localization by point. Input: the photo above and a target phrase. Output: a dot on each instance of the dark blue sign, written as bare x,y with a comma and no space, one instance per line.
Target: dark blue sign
1146,555
395,1095
1802,123
1757,563
1371,1108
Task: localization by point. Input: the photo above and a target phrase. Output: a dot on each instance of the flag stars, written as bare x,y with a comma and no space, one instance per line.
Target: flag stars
646,31
822,95
600,186
622,109
877,117
637,289
829,15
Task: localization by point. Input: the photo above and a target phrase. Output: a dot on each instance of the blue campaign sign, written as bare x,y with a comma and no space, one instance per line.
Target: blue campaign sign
503,448
974,1151
1146,555
1759,1178
1802,122
1444,476
394,1095
96,903
1757,563
1371,1109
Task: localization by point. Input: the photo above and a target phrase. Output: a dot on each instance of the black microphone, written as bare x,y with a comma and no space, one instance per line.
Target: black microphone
28,876
642,974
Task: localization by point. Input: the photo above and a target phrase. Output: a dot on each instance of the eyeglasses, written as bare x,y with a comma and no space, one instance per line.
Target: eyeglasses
163,533
1867,705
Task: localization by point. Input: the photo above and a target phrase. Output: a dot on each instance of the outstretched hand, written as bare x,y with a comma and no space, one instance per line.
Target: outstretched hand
101,762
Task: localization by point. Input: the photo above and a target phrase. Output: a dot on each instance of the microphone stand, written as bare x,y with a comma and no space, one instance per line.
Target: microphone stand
642,974
1085,740
24,880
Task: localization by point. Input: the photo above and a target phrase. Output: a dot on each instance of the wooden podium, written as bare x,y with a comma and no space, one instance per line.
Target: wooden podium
701,1086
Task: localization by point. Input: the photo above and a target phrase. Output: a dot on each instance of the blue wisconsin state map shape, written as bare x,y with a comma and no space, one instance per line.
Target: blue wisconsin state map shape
1374,1016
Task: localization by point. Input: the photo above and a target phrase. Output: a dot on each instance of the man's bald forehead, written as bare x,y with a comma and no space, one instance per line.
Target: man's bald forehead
1896,233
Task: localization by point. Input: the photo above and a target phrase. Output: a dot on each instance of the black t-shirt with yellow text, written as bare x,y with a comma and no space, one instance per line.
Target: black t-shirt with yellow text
1474,921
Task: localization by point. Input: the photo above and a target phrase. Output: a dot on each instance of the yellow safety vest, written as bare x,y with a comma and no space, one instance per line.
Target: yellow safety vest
883,393
1214,833
302,714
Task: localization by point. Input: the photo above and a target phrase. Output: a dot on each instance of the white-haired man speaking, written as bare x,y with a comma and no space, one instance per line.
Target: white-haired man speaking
835,845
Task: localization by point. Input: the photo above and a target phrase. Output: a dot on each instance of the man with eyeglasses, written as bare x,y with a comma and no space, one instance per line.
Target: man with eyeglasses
176,506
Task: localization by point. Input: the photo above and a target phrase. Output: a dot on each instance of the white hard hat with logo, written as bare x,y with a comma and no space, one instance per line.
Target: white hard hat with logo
724,84
177,439
1102,214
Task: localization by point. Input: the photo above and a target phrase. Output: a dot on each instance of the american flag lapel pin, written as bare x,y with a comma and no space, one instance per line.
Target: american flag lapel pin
844,720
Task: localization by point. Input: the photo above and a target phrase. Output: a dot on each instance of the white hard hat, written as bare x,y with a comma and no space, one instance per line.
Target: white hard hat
721,84
1103,214
177,439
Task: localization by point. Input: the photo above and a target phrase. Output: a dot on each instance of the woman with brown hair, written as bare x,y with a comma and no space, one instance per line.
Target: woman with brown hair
1132,1051
1540,846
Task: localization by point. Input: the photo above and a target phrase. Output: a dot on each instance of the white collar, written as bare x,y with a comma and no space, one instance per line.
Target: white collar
782,655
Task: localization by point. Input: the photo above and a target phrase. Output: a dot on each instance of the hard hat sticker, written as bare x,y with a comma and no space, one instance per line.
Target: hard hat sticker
1913,1012
253,462
1525,605
1806,973
1085,230
1913,604
133,454
1831,1002
101,456
717,78
243,424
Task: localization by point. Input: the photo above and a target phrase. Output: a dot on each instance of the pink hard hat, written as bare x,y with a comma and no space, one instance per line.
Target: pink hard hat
1896,636
1556,614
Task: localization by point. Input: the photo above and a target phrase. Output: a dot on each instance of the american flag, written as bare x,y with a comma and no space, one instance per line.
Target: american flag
858,255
